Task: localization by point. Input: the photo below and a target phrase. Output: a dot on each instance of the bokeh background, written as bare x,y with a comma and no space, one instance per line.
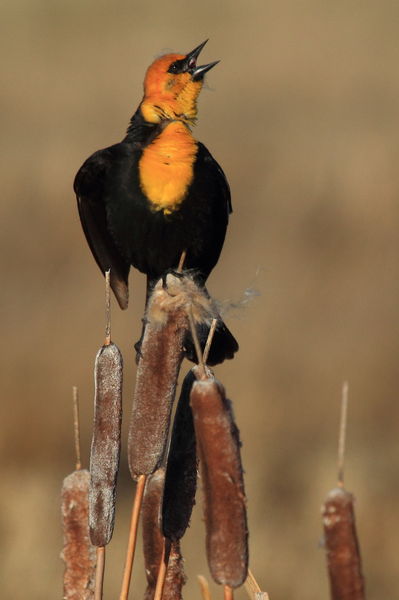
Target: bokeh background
302,113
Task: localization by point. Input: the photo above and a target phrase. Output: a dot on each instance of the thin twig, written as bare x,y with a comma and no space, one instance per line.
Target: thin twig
228,593
253,588
76,426
100,567
342,434
181,261
107,308
162,570
138,498
209,340
197,346
204,586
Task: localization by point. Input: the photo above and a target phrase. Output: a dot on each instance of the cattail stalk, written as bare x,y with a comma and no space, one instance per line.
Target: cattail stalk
158,595
228,593
204,587
253,588
131,547
98,594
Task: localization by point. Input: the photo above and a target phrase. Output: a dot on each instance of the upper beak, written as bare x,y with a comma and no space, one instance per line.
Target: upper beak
193,55
191,58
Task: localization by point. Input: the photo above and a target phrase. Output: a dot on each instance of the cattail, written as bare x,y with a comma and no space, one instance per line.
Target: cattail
106,442
343,554
153,543
161,354
342,546
218,447
181,468
78,553
157,372
175,577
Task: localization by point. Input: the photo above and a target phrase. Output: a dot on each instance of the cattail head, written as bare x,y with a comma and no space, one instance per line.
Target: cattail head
218,447
78,552
106,442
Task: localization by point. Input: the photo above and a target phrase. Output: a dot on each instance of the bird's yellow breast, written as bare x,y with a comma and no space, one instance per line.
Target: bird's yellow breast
166,167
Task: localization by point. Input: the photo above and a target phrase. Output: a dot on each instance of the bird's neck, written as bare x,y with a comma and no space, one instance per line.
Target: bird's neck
140,131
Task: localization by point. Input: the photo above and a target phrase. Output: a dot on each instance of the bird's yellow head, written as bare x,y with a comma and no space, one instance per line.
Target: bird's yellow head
172,85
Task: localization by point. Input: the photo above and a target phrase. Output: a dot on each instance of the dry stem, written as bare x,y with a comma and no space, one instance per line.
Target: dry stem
204,585
253,588
342,434
197,346
138,498
181,261
98,590
107,309
162,570
76,426
228,593
209,340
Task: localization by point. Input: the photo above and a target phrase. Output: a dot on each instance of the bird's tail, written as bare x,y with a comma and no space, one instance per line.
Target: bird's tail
224,345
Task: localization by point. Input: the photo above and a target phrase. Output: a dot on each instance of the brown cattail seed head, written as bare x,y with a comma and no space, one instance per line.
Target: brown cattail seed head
78,553
157,372
106,441
218,447
343,555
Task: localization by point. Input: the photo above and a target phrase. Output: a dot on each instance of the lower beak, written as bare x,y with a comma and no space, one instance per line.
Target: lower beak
199,72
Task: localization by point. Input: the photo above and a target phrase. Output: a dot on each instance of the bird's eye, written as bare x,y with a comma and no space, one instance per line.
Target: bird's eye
173,68
179,66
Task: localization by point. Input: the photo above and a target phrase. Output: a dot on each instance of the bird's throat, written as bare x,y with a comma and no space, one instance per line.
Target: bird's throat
166,167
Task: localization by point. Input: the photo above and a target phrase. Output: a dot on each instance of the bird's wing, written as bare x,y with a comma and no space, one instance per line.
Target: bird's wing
224,188
89,188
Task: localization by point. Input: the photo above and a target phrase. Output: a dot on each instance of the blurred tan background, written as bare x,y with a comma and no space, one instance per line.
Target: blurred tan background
302,113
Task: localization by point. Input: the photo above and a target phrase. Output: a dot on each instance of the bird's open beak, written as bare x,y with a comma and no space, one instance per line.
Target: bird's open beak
197,73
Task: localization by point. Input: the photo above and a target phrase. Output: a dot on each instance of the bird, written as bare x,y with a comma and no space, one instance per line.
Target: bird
159,192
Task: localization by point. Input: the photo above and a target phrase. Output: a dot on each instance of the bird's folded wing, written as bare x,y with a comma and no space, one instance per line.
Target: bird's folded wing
88,188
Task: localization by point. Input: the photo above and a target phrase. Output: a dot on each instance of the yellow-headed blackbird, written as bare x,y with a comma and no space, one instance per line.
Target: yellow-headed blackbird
158,192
